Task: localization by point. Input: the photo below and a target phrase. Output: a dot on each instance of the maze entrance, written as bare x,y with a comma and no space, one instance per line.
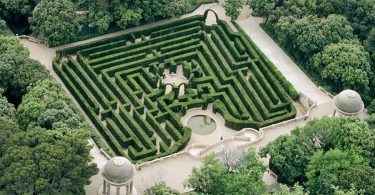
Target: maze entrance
118,82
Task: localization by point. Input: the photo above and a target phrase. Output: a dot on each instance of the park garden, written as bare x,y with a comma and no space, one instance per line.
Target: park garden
119,84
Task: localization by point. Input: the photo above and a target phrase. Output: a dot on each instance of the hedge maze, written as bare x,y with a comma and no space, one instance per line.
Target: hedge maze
118,83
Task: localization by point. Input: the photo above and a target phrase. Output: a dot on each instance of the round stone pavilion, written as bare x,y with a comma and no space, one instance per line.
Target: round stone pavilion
348,103
118,173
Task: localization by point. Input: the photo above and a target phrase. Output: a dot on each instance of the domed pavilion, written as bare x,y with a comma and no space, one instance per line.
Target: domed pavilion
118,173
348,103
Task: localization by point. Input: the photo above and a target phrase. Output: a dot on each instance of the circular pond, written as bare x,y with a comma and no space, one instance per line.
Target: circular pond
201,124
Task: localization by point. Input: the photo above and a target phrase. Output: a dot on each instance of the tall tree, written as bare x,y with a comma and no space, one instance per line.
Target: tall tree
161,189
309,35
7,110
233,8
2,26
346,64
285,190
262,7
55,21
22,7
208,179
370,41
9,44
214,178
18,72
324,169
46,106
289,156
46,162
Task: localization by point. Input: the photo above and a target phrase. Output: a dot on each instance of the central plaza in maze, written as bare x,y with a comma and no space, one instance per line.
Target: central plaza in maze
119,83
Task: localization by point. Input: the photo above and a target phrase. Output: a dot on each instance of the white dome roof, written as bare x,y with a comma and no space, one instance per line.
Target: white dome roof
349,102
119,170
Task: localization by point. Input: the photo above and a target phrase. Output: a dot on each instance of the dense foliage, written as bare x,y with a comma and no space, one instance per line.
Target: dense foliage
45,162
2,26
17,70
43,144
63,21
161,188
233,8
345,64
55,21
214,178
333,40
326,152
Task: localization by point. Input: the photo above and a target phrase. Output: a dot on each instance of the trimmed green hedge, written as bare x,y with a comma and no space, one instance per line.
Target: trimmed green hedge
119,84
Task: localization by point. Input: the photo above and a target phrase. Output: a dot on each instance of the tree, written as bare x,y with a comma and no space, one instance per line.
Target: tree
7,120
208,179
361,13
7,128
309,35
247,179
7,110
46,106
289,156
8,44
371,121
262,7
214,178
161,189
370,41
98,16
285,190
356,135
233,8
22,7
363,17
324,169
125,17
17,72
345,64
2,26
55,21
362,177
46,162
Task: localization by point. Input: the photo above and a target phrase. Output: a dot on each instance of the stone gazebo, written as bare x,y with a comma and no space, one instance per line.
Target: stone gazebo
118,173
348,103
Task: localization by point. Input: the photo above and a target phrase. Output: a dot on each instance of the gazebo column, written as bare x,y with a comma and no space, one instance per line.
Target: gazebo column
131,186
118,190
104,186
109,189
127,189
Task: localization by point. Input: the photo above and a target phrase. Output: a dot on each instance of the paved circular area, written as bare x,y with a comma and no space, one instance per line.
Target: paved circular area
202,124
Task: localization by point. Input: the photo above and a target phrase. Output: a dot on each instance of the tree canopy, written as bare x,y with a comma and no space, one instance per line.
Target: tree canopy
46,162
161,188
262,7
49,154
2,26
46,106
324,169
55,21
233,8
17,70
214,178
346,65
314,146
310,35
